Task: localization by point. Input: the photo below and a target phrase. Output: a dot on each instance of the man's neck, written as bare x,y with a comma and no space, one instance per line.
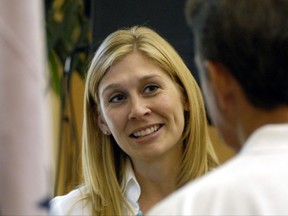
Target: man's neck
255,118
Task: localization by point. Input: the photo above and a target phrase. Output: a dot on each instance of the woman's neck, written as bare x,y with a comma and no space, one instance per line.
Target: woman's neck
157,180
152,193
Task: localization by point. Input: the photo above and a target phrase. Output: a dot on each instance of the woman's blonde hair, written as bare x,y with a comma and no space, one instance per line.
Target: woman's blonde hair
103,161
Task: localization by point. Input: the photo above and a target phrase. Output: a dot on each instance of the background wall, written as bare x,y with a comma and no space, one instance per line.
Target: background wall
165,16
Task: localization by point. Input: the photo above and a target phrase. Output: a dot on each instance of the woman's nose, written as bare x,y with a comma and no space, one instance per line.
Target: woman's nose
138,108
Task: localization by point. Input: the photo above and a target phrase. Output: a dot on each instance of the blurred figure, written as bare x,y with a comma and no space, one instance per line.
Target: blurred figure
25,147
241,54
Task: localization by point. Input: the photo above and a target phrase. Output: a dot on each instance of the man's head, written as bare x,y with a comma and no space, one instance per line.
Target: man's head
248,40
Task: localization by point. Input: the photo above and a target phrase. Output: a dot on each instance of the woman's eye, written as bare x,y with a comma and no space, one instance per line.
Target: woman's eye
116,98
151,88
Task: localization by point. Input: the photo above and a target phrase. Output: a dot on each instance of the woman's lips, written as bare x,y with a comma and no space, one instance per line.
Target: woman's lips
146,132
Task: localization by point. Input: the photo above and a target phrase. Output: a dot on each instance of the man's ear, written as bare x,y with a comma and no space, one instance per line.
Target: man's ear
222,82
102,125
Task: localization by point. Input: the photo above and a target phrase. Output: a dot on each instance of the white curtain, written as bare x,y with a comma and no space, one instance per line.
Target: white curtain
25,181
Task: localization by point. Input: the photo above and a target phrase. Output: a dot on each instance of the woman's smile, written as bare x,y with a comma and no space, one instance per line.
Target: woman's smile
145,132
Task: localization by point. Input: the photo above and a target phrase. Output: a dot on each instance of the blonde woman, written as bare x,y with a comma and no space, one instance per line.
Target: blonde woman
144,133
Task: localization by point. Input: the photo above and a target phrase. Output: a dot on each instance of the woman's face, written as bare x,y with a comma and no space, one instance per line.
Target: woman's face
142,108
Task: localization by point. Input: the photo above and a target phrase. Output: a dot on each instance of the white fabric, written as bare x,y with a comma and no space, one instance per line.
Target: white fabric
71,204
255,182
132,189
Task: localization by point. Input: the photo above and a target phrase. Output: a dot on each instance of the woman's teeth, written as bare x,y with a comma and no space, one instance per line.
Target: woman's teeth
146,131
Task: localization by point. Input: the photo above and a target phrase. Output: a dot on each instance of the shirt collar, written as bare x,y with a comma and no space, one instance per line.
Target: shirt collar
268,137
132,188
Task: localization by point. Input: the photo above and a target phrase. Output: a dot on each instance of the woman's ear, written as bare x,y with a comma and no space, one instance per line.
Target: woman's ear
186,105
102,125
185,102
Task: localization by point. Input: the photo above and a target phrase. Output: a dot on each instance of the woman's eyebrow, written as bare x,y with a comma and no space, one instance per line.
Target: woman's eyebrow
117,85
110,86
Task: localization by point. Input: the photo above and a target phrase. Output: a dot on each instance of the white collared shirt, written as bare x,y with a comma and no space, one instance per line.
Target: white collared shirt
132,188
69,204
